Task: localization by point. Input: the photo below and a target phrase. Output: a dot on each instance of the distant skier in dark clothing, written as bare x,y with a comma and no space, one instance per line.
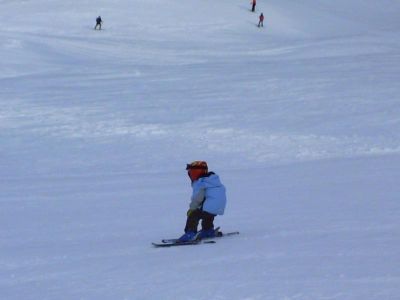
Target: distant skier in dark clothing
98,22
261,20
253,5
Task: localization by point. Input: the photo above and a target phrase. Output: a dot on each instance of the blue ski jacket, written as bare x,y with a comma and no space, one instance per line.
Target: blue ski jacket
209,194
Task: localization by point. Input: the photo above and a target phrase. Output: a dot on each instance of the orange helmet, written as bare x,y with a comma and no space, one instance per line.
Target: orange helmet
197,169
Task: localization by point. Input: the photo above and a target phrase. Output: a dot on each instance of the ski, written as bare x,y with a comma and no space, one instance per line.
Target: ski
189,243
216,230
218,234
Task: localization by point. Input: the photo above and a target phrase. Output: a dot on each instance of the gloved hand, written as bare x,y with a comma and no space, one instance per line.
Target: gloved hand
189,212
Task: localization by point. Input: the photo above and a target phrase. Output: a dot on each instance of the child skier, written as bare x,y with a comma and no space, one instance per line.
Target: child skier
98,22
208,200
261,20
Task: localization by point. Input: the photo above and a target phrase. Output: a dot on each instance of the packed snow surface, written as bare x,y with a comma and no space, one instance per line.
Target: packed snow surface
300,118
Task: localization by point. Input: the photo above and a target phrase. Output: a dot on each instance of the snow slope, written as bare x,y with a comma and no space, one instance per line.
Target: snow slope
299,118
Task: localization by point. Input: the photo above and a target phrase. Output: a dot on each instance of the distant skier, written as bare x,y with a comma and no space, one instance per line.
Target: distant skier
207,201
99,21
261,20
253,5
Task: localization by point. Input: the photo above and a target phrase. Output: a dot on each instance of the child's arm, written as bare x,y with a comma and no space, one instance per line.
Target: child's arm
198,196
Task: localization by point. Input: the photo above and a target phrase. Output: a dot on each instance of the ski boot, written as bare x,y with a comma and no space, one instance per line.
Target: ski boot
206,234
188,236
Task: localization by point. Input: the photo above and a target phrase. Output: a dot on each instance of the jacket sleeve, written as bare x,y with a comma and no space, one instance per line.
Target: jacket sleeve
198,195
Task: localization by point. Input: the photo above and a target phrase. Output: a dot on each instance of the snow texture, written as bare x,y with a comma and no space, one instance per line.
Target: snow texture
301,120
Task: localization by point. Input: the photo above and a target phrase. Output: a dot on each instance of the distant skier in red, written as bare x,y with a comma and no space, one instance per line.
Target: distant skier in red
253,5
261,20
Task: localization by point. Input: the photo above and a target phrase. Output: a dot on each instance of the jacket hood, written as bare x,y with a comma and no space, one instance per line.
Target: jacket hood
212,180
